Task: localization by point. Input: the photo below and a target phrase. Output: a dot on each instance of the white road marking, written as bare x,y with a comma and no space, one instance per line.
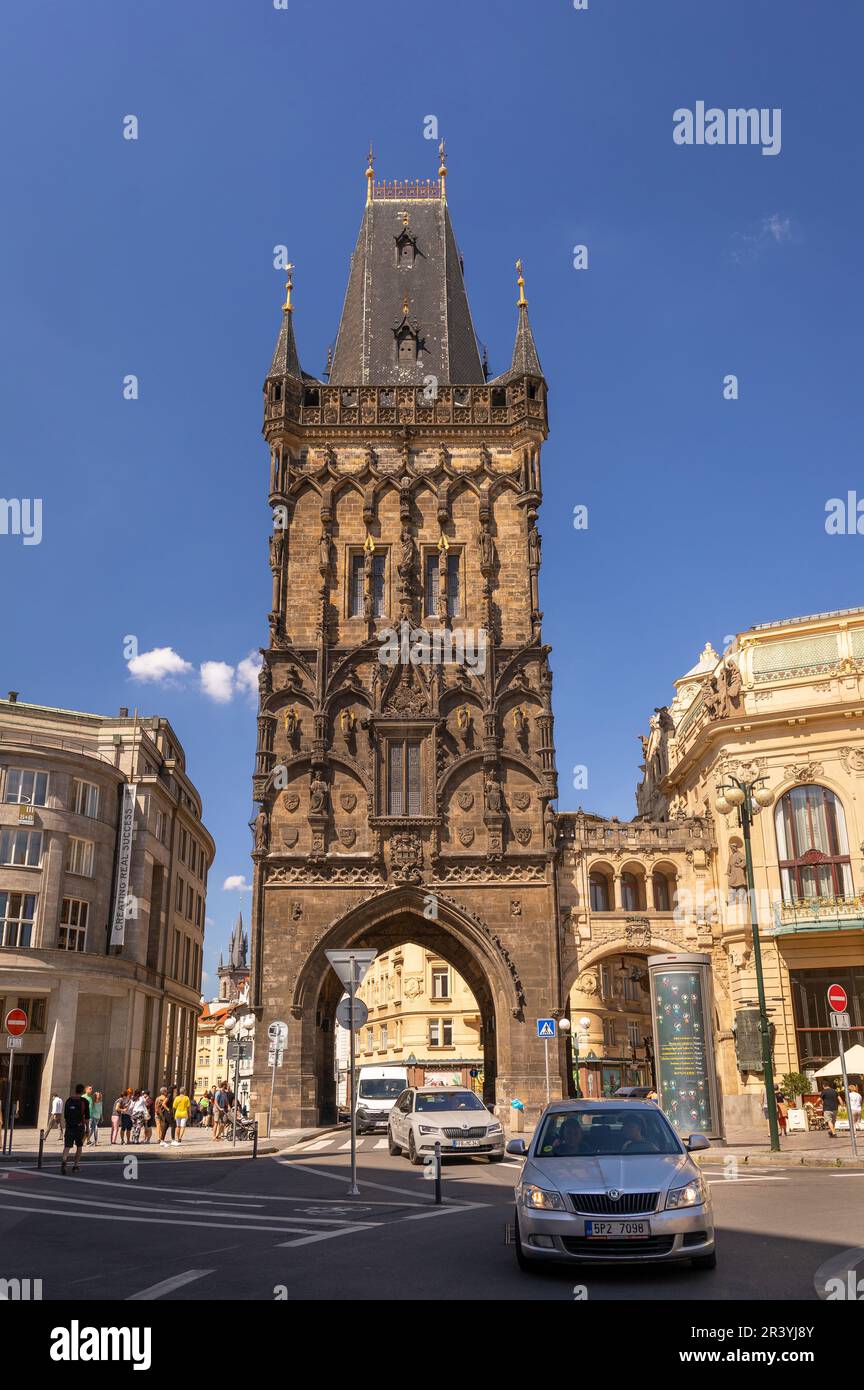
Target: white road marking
168,1285
383,1186
152,1220
447,1211
120,1184
343,1147
8,1198
316,1144
380,1144
324,1235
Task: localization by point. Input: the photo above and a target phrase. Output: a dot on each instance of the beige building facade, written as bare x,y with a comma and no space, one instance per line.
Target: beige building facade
421,1013
107,1015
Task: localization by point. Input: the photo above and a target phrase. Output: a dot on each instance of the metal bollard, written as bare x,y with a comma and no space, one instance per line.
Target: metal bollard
437,1172
41,1147
255,1139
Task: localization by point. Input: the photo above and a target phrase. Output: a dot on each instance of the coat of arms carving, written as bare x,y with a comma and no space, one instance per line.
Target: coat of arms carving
406,856
522,800
523,834
465,799
348,801
290,837
466,837
291,801
347,837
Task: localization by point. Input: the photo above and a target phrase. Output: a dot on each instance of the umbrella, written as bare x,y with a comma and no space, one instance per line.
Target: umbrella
854,1062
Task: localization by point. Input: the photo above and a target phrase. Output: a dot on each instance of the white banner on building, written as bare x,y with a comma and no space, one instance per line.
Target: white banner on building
124,863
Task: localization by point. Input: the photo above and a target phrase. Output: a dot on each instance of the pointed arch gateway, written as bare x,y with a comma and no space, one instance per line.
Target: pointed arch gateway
408,913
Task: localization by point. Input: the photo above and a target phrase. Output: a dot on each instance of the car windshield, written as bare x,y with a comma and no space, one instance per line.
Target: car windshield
381,1088
448,1100
601,1133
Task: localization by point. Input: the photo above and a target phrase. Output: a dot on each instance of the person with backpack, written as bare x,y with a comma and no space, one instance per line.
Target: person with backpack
76,1118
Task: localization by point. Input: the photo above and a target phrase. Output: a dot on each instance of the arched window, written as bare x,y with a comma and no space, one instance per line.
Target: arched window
662,892
632,892
601,897
812,846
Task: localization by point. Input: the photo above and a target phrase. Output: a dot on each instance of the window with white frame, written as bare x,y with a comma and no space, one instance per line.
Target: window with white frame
17,916
383,1037
79,857
440,982
434,1032
609,1032
440,1032
23,848
633,1034
73,925
23,785
85,798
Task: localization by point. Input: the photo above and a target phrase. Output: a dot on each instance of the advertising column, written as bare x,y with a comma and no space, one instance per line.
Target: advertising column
682,1012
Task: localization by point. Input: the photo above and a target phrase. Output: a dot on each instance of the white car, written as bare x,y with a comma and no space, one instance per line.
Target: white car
450,1115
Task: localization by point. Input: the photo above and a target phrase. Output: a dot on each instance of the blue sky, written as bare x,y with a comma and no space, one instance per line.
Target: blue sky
155,257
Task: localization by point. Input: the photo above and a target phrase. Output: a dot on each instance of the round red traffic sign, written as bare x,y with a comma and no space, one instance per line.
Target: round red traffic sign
16,1022
837,998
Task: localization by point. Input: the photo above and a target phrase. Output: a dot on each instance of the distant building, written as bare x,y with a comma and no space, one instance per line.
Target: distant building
109,1015
422,1015
212,1064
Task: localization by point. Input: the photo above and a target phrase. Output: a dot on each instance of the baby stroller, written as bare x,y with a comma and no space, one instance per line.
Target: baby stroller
245,1128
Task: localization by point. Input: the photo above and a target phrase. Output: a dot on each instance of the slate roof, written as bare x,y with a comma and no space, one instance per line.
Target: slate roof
381,282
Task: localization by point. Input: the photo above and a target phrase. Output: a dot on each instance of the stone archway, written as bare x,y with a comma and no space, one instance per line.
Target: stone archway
306,1085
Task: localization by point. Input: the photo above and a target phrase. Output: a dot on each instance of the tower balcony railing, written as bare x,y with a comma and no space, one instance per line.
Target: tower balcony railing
523,401
578,832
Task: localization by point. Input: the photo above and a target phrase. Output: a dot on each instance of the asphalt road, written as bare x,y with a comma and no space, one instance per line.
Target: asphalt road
284,1228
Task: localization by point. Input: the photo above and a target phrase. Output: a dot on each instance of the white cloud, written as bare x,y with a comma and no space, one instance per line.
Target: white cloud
217,681
236,883
247,673
159,664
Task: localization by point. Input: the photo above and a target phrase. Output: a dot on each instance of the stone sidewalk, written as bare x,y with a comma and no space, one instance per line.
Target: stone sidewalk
814,1149
196,1143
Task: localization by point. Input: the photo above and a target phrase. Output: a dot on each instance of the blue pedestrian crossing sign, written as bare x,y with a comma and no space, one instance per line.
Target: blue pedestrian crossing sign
546,1028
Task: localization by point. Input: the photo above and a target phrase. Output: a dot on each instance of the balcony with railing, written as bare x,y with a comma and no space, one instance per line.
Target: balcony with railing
521,401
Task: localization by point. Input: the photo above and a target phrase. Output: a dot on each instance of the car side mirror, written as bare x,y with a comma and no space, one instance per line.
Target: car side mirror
697,1141
517,1147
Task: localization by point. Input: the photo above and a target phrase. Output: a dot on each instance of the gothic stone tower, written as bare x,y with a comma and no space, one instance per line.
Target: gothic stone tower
405,802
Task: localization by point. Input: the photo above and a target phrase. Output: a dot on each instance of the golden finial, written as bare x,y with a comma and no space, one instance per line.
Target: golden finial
370,174
521,302
405,218
289,285
443,543
442,172
405,307
369,544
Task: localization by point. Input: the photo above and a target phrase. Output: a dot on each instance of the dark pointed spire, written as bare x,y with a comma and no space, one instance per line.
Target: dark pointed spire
526,361
286,360
239,945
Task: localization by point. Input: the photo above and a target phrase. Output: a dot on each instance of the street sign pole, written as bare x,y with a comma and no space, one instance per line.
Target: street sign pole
838,1002
7,1133
841,1037
353,1190
272,1089
546,1056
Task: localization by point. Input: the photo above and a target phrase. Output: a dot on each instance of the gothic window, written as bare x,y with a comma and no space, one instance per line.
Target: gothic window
356,585
812,845
406,348
404,795
598,886
431,604
379,563
275,391
355,606
453,584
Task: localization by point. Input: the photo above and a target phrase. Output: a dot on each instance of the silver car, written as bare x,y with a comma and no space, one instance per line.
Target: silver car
609,1181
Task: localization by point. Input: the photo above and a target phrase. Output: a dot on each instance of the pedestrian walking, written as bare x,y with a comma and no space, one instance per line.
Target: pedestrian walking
115,1119
124,1109
220,1105
830,1106
782,1110
163,1115
95,1116
854,1104
55,1120
180,1110
148,1118
76,1116
140,1115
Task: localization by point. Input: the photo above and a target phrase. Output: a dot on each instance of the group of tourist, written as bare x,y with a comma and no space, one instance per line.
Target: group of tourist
134,1116
832,1098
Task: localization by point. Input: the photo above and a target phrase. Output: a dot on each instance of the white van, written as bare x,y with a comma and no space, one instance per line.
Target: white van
378,1089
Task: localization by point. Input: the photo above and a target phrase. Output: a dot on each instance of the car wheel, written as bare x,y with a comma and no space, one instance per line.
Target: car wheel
393,1148
705,1261
522,1261
413,1155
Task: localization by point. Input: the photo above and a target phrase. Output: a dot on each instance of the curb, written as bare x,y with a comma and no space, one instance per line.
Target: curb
781,1160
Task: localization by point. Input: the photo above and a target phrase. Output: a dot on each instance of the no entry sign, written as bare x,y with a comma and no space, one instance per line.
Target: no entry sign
16,1022
837,998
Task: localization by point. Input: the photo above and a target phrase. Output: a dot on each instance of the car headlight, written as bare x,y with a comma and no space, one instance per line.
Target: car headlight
690,1196
541,1199
494,1129
429,1129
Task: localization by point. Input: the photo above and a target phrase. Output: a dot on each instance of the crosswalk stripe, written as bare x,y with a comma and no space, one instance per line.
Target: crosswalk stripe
168,1285
380,1144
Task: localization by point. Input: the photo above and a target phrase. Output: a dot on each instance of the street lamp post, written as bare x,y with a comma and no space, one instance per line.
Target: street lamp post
742,795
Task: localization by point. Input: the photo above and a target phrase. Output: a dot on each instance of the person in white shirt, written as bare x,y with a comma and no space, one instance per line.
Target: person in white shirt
55,1119
854,1105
